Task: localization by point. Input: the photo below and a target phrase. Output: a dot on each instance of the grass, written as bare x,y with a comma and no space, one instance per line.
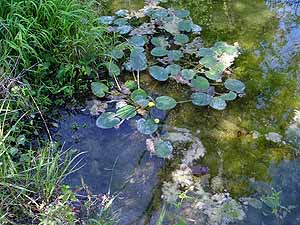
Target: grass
49,51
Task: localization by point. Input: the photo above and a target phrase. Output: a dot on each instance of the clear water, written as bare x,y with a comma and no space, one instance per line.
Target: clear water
269,34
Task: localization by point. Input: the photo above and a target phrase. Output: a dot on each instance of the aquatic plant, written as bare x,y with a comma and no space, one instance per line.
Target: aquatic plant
158,40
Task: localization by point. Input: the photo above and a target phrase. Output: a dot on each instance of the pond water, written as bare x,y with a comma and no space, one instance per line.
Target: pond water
235,139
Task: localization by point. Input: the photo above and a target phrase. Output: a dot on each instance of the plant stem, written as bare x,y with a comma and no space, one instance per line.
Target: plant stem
116,80
185,101
138,79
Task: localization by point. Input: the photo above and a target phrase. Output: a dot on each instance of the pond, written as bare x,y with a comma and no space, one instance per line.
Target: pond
245,144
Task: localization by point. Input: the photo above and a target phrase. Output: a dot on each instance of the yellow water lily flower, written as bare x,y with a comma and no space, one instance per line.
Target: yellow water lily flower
151,104
156,120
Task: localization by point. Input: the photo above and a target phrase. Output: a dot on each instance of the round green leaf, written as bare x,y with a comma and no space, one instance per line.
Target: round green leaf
218,103
196,29
159,41
181,38
163,149
131,84
158,73
206,52
175,55
106,19
99,89
229,96
213,74
113,69
208,61
188,74
140,97
117,53
235,85
138,41
201,99
165,103
182,13
138,60
173,69
126,112
124,29
146,126
159,52
185,25
121,21
122,12
200,83
107,120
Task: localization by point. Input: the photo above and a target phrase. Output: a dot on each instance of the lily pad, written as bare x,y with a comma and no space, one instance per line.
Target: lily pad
121,21
113,69
173,69
122,12
146,126
201,99
159,41
188,74
235,85
126,112
213,74
206,52
165,103
163,149
140,97
131,84
106,19
175,55
229,96
159,52
200,83
182,13
107,120
196,29
124,29
185,25
208,61
138,60
181,38
117,53
138,41
99,89
218,103
158,73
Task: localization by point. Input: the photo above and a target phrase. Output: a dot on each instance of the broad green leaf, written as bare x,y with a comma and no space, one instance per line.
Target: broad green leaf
131,84
213,74
146,126
218,103
117,53
106,19
201,99
196,29
175,55
159,52
163,149
122,12
158,73
185,25
113,69
159,13
138,41
173,69
209,62
235,85
200,83
206,52
124,29
126,112
181,39
224,48
182,13
107,120
160,41
138,60
121,21
140,97
188,74
99,89
165,103
229,96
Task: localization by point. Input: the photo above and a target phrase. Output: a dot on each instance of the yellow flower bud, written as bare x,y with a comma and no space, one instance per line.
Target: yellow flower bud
156,120
151,104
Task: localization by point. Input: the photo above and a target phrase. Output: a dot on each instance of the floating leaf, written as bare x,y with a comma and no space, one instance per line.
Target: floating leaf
140,97
185,25
159,52
121,21
182,13
117,53
229,96
99,89
175,55
107,120
163,149
113,69
200,83
138,60
206,52
218,103
222,47
209,61
172,26
131,84
159,41
188,74
201,99
158,73
124,29
165,103
122,12
235,85
173,69
106,19
213,74
146,126
138,41
196,29
159,13
126,112
181,38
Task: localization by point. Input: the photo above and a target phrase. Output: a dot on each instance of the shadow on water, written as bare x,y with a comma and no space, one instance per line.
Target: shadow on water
269,34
